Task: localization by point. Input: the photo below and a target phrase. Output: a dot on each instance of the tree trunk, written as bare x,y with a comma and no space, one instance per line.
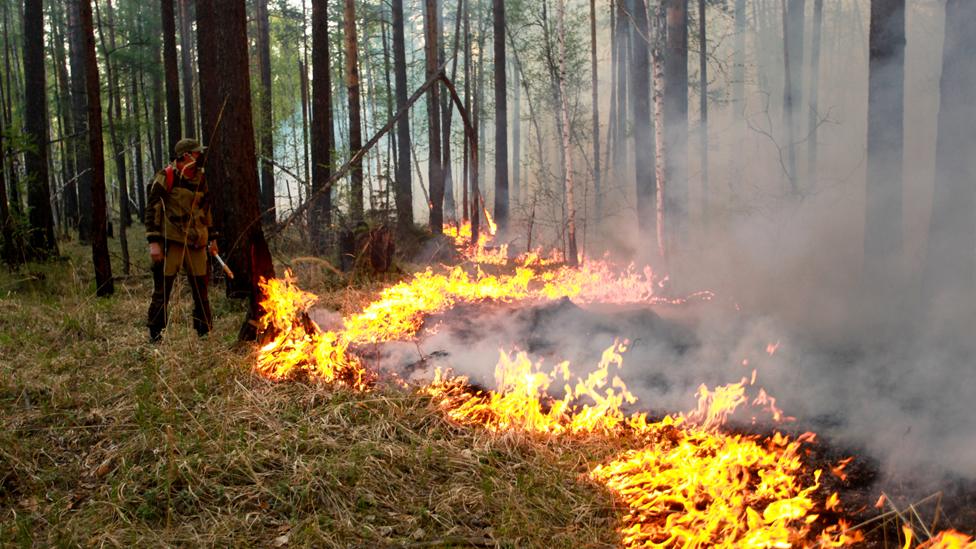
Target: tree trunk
572,257
676,121
225,103
789,89
445,114
739,60
814,91
501,118
950,266
79,108
640,119
306,101
623,27
171,75
115,103
351,45
595,81
466,170
660,157
796,14
886,98
186,61
13,184
703,109
322,136
391,156
104,285
65,118
404,185
140,172
265,107
42,240
433,118
10,252
516,135
157,116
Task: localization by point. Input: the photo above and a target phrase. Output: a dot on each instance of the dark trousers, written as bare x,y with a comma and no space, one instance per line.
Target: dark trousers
159,305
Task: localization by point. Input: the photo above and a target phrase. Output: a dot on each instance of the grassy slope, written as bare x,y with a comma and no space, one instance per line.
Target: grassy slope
109,440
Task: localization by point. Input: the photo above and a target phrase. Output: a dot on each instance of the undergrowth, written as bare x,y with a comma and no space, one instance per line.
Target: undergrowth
109,440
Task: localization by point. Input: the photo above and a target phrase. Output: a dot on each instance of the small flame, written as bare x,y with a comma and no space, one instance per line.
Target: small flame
838,470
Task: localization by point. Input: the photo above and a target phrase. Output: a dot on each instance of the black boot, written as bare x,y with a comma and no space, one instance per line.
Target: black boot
202,315
159,304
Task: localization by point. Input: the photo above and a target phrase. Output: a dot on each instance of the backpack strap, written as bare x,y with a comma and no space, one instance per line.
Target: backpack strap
170,177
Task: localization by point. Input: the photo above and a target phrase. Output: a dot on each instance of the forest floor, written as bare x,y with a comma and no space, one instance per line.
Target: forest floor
109,440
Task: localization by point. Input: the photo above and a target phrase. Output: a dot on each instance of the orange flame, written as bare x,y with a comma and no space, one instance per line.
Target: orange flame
689,485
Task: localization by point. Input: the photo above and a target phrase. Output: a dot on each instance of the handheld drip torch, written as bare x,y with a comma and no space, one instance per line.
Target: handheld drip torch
220,261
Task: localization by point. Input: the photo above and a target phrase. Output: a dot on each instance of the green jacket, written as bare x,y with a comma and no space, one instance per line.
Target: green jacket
178,209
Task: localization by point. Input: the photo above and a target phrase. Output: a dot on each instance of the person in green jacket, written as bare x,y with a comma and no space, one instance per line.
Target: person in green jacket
179,228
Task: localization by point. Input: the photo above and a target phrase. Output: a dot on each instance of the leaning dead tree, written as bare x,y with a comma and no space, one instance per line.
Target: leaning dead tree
438,76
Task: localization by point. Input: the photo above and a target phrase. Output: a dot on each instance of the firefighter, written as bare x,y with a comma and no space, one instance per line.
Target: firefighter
179,228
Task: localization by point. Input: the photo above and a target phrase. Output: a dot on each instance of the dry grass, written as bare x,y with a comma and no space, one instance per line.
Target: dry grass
107,440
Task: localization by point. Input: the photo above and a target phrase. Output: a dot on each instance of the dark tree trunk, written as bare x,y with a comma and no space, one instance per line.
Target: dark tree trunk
501,118
640,120
322,136
171,75
42,240
404,185
886,98
950,266
676,121
104,285
115,103
595,81
351,45
265,123
186,64
433,118
231,160
79,107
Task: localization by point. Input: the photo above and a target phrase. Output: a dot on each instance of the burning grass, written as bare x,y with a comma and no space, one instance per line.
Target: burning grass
107,440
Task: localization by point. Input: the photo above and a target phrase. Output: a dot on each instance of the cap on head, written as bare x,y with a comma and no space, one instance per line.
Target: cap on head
187,145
